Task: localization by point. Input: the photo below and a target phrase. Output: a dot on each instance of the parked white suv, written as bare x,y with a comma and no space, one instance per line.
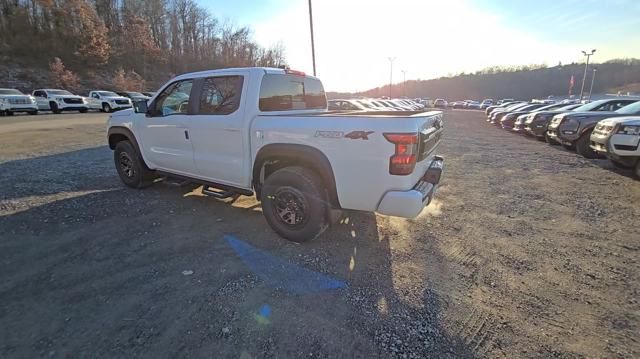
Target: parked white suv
107,101
267,131
619,139
60,100
12,101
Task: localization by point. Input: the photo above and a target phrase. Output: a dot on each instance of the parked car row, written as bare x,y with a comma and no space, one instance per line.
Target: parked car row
57,100
606,128
374,105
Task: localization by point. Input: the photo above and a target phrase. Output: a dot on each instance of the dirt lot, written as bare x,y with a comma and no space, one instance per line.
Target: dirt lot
528,251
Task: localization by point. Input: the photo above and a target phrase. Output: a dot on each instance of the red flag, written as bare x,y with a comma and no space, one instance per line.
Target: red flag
571,83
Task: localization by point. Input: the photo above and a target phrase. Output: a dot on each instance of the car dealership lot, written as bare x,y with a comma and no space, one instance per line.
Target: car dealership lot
528,250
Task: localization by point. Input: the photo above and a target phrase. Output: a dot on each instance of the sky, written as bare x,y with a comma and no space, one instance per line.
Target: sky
354,39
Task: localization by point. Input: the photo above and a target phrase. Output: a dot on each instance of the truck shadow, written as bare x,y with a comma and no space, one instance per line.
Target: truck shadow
149,273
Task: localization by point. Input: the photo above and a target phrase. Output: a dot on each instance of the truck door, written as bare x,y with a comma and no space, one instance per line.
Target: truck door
166,138
219,139
94,101
41,100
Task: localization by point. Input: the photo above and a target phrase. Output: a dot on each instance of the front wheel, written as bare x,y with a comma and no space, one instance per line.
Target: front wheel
550,140
54,108
131,168
583,146
106,108
294,204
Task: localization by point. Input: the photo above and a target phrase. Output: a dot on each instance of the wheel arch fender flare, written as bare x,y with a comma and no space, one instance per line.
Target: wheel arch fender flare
116,134
299,155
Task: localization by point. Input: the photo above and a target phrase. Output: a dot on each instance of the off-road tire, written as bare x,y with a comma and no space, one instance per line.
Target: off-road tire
54,108
294,188
131,167
583,148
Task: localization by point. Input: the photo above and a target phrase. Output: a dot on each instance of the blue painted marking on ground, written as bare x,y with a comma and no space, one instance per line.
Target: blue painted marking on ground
280,274
265,311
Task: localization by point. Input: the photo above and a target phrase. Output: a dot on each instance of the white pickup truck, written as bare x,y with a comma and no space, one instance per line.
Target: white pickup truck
107,101
267,131
619,139
56,101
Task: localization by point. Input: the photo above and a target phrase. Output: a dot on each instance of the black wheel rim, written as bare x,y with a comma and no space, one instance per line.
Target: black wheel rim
126,165
290,207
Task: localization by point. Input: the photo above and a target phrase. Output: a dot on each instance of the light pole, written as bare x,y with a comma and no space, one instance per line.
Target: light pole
586,65
593,79
404,83
391,60
313,47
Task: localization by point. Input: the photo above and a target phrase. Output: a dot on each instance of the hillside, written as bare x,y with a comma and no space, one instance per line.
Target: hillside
143,42
525,82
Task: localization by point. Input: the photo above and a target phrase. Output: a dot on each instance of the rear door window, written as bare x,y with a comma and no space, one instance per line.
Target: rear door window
220,95
284,92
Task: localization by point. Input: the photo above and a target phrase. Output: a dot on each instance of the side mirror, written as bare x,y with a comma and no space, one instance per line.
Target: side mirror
140,107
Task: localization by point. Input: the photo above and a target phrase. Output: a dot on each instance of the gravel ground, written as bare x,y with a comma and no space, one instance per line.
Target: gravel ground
528,251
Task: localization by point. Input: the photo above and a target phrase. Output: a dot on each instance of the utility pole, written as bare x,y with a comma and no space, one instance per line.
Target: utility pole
586,65
593,79
404,83
313,46
391,60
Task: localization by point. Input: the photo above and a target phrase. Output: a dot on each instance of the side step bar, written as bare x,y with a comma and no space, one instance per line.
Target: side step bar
220,194
216,190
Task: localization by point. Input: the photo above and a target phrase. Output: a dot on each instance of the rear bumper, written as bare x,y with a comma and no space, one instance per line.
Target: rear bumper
409,204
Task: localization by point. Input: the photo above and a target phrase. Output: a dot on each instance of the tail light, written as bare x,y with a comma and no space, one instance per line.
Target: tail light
403,162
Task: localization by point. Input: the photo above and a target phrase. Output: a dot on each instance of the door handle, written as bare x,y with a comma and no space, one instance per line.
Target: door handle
186,134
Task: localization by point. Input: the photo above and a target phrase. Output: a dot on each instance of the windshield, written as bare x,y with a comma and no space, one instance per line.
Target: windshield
108,94
568,108
590,106
60,92
516,106
365,104
10,92
632,109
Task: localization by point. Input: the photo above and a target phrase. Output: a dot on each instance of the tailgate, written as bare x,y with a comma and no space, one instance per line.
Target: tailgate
431,128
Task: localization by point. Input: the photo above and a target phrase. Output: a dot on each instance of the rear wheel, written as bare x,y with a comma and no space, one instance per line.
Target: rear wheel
583,148
130,166
295,204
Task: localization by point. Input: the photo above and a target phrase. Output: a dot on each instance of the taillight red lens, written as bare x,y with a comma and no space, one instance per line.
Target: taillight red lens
403,162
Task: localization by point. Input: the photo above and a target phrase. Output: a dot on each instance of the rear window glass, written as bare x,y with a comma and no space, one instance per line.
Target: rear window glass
291,92
220,95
